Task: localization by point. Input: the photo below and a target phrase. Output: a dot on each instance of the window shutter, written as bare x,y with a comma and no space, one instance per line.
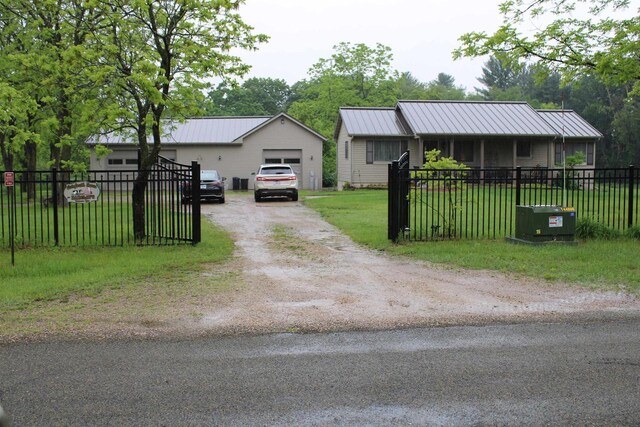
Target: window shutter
369,152
590,153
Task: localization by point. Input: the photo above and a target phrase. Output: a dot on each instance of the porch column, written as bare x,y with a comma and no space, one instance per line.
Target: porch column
515,153
451,148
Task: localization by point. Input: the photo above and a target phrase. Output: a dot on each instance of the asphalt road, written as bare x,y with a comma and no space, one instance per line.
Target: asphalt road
585,373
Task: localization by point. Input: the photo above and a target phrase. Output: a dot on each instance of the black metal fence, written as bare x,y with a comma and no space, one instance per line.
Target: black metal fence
40,210
480,203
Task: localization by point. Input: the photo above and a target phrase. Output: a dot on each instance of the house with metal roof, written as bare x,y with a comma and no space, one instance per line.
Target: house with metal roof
234,146
477,133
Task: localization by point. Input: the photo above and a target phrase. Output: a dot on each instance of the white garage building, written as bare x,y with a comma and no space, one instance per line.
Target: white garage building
235,146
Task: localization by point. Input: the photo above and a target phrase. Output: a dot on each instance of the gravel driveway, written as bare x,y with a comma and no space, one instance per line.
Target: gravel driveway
300,273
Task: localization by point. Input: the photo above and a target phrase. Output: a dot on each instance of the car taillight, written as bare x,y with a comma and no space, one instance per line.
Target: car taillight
277,178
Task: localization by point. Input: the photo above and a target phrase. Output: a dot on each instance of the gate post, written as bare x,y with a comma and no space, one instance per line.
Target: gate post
518,183
393,226
54,180
196,221
631,195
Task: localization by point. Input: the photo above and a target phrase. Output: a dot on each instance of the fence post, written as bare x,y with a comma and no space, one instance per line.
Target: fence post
54,181
392,226
631,195
518,184
196,221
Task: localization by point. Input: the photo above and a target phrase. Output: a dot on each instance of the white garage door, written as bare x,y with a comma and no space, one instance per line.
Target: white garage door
291,157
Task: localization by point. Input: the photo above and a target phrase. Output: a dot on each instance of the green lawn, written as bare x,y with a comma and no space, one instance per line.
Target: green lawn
602,264
47,274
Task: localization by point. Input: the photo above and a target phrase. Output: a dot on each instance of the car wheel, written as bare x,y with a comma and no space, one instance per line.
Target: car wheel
222,200
185,200
294,198
255,196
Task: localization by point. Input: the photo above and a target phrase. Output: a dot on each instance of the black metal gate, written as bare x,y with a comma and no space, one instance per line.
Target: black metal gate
398,197
37,213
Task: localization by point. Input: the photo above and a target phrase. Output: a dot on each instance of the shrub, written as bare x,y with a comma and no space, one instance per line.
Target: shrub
587,228
634,232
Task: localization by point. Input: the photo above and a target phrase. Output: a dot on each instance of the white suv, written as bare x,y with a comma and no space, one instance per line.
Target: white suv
275,180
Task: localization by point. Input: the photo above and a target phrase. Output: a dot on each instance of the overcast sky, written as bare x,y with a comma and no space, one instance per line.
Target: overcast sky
421,33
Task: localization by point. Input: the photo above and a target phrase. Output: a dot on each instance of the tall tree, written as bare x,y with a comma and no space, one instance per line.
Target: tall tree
496,75
601,43
410,87
161,53
48,38
354,75
444,87
367,68
255,97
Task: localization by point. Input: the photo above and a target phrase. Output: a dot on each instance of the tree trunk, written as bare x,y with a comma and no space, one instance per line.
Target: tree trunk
30,151
139,189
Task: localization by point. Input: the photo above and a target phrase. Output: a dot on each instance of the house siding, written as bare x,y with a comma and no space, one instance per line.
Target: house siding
242,158
343,168
376,174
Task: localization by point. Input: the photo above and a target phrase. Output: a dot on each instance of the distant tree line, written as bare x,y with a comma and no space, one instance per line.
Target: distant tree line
360,76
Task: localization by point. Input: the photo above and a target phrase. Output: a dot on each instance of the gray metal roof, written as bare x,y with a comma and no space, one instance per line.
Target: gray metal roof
201,130
570,123
372,122
474,118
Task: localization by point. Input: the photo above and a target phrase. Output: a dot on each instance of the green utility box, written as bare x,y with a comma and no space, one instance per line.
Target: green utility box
540,224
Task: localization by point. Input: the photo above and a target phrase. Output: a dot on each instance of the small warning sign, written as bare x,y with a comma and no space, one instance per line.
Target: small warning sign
8,179
555,221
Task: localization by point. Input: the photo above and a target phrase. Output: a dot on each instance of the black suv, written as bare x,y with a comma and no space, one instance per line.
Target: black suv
211,187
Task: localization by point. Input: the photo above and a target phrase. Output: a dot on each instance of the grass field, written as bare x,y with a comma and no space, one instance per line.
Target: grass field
47,274
601,264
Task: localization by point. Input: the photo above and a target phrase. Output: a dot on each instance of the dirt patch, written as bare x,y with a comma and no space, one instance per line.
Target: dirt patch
301,273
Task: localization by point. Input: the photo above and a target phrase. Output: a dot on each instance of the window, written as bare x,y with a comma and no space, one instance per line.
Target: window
346,149
115,161
385,151
292,161
463,151
131,161
273,160
523,149
590,153
571,148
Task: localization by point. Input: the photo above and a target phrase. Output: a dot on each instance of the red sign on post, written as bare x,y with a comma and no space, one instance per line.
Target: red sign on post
8,179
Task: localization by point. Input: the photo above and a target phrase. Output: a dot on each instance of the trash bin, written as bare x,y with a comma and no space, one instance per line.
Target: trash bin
236,183
244,183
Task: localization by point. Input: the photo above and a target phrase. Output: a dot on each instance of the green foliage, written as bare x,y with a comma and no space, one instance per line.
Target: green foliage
587,228
435,162
599,43
446,171
255,97
579,158
354,75
633,232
